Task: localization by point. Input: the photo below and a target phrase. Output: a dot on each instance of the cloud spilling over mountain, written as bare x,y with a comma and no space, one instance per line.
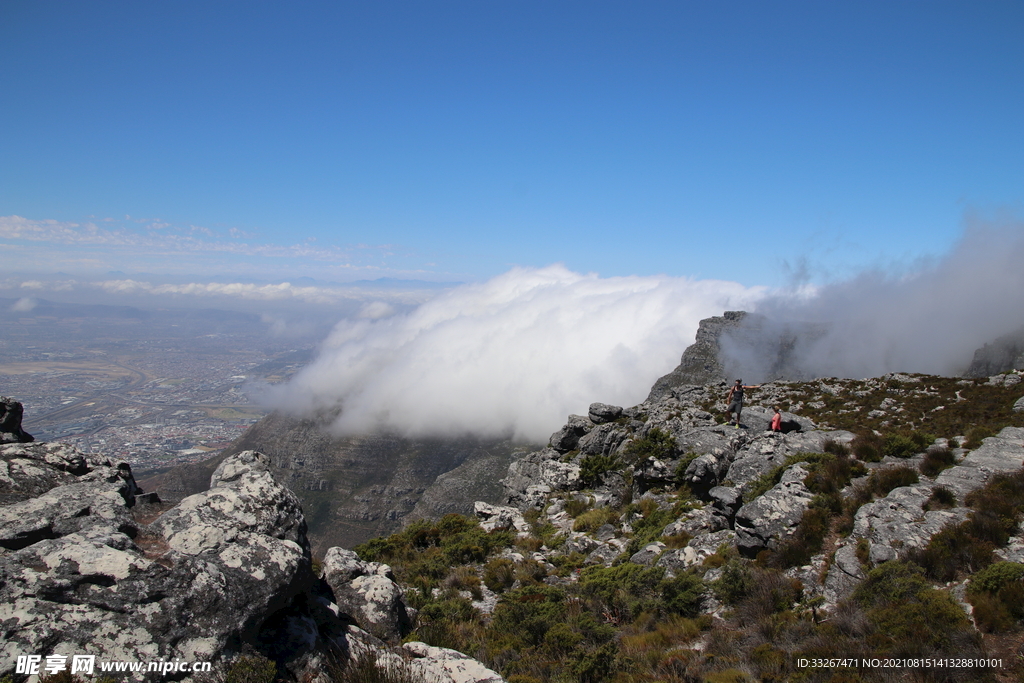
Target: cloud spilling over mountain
509,356
929,318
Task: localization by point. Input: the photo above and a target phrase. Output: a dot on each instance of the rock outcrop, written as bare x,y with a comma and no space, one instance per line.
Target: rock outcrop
10,422
1001,355
90,565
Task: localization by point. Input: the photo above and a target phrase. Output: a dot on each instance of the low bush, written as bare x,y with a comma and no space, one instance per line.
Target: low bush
867,447
658,444
941,499
592,520
936,459
885,479
910,616
976,434
835,447
649,527
424,552
575,506
735,583
499,574
593,467
899,446
997,594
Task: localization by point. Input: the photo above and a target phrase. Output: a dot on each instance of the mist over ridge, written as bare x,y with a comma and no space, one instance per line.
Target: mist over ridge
515,354
928,319
507,357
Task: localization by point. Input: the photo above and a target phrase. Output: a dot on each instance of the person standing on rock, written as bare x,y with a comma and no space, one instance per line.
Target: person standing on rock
776,420
735,400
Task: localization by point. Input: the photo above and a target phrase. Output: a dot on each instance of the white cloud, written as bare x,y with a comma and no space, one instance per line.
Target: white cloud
24,304
513,355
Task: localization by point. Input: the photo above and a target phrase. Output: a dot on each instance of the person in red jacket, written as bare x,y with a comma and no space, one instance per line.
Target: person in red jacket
777,420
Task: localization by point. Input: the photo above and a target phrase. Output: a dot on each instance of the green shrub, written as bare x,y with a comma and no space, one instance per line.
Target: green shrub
942,498
899,446
683,595
835,447
997,594
499,574
911,617
592,520
425,551
935,460
735,583
994,577
976,434
251,669
867,447
885,479
593,467
658,444
653,523
574,506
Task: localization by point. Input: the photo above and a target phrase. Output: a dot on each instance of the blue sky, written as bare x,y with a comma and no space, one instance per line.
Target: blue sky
451,141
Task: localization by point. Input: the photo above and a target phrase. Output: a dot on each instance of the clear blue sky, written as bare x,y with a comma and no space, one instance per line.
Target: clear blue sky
453,140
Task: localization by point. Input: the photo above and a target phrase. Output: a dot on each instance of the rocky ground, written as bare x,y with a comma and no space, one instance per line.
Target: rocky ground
90,565
852,492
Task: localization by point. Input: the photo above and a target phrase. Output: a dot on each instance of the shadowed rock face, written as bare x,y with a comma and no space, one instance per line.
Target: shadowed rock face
701,362
10,422
1001,355
357,488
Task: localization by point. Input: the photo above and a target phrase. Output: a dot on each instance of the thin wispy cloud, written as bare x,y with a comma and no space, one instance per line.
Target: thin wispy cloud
154,244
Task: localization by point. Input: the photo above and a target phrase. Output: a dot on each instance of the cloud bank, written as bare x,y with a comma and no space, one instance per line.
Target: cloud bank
928,318
508,357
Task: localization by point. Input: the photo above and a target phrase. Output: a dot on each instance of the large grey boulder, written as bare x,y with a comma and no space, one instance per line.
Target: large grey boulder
568,437
768,520
532,478
197,584
599,413
603,439
441,665
500,518
367,591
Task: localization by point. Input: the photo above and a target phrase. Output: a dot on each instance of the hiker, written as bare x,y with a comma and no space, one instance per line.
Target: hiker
735,400
776,420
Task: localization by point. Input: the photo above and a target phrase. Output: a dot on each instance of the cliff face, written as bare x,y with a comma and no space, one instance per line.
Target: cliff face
1001,355
357,488
740,345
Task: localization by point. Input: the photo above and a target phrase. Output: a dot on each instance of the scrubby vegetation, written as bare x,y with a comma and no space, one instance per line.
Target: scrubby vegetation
559,619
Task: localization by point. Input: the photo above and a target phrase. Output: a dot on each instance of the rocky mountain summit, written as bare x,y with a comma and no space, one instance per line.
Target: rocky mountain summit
91,565
656,543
